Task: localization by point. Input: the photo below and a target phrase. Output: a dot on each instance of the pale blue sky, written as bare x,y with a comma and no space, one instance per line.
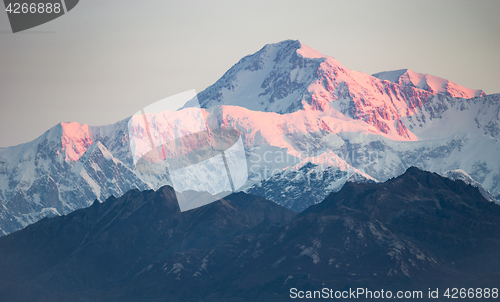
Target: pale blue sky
106,59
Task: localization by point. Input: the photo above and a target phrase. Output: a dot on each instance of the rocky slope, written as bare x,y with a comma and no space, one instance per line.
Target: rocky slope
413,232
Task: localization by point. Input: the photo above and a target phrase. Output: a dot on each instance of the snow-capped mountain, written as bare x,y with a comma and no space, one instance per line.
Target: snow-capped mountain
292,106
298,188
288,76
64,169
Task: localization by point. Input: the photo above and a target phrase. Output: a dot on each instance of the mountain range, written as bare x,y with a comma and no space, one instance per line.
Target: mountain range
301,115
413,232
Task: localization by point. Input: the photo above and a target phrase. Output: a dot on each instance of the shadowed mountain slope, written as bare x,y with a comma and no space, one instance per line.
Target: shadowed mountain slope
413,232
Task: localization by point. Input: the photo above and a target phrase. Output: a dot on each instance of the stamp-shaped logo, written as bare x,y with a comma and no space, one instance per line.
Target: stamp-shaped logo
25,14
204,163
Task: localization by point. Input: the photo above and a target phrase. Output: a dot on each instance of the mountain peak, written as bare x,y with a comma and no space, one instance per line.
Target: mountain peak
285,44
289,76
274,79
72,139
296,46
309,52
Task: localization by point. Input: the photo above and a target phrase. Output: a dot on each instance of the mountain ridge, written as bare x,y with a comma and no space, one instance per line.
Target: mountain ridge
428,82
417,230
373,126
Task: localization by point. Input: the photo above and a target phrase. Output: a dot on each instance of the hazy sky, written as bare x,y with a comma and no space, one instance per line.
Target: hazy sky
106,59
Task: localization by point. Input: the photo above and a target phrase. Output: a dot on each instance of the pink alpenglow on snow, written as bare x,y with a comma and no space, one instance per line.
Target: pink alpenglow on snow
428,82
289,76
